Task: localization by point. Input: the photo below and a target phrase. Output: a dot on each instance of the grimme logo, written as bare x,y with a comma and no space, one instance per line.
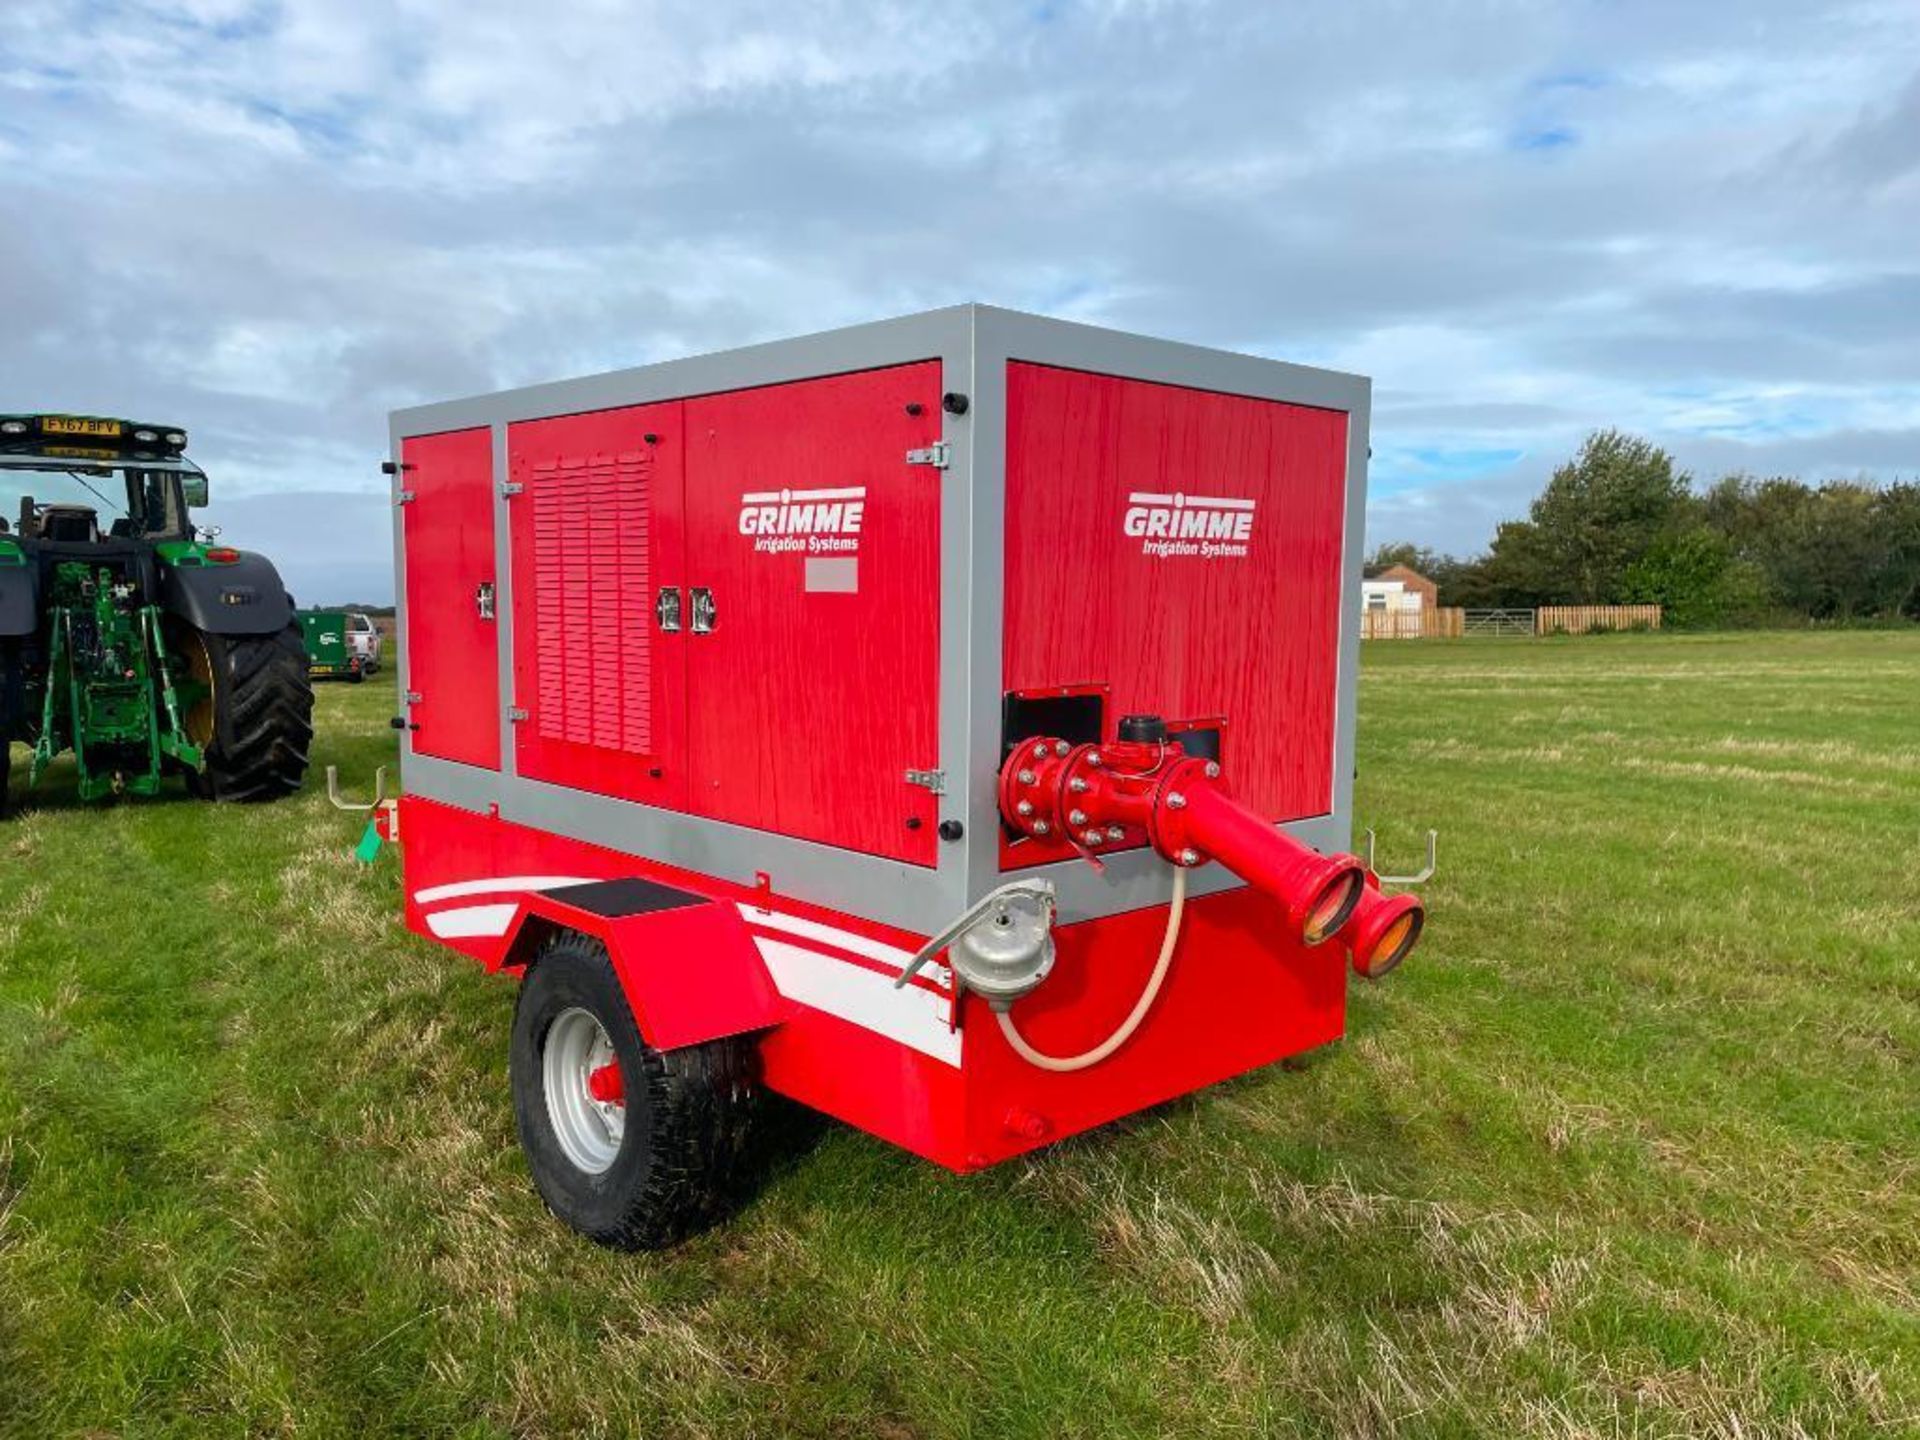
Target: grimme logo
1213,527
819,522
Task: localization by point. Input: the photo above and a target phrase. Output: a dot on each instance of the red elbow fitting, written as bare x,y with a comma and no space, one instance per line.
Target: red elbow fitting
1080,793
1317,892
1384,931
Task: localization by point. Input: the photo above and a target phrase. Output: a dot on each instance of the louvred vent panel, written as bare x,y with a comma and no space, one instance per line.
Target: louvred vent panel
591,527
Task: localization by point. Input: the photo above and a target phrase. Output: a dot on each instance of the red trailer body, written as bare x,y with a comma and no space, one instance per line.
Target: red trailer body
727,663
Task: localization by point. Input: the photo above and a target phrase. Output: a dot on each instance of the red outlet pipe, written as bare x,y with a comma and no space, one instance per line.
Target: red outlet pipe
1318,892
1094,795
1384,931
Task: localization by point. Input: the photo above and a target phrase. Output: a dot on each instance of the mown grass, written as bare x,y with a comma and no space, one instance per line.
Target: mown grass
1632,1147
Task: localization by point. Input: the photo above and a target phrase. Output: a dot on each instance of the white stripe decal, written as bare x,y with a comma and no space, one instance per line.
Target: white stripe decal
891,956
915,1017
499,884
472,921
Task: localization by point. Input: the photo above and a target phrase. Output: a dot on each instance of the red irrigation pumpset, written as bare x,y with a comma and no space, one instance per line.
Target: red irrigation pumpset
946,723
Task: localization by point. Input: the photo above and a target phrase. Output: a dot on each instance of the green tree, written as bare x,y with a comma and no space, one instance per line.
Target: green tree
1897,517
1599,513
1823,549
1697,579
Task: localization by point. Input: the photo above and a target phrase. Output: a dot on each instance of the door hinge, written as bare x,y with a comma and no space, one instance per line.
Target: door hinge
516,715
934,780
404,497
413,697
511,488
939,455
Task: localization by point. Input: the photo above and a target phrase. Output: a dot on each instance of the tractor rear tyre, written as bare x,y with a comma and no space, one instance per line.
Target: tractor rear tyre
633,1147
255,720
10,702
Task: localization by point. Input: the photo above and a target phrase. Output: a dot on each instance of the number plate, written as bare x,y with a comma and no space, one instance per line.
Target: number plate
80,425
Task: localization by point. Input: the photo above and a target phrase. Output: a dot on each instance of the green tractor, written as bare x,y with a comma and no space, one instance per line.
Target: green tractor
127,636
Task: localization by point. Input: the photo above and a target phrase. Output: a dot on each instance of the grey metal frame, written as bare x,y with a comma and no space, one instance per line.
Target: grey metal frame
973,344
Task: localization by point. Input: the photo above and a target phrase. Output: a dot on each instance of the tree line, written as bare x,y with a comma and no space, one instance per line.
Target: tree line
1620,525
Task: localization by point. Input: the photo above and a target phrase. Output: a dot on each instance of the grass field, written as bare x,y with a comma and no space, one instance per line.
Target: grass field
1632,1146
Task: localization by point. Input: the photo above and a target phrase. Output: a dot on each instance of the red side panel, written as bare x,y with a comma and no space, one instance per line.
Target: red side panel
453,660
818,687
596,536
1239,996
1184,548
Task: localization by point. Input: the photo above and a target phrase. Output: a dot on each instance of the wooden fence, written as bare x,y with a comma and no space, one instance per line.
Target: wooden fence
1428,623
1580,619
1450,621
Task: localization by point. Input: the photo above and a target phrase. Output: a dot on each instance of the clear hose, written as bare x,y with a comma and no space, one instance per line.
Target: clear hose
1067,1063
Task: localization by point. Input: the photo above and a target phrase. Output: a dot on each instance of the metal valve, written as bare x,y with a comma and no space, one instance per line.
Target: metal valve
1001,948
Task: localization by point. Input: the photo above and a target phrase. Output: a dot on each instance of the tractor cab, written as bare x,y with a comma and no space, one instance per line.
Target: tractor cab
82,480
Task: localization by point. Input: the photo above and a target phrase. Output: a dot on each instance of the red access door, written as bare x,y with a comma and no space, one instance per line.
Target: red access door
599,613
452,638
813,645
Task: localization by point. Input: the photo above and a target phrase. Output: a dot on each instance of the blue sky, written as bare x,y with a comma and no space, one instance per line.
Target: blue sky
274,222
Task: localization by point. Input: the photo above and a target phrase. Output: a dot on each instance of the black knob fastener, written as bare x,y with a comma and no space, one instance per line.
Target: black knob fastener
952,830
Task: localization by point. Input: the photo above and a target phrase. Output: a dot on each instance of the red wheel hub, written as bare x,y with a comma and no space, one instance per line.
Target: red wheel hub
606,1085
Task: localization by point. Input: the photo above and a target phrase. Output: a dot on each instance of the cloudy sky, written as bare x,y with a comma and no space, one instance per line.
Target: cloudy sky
273,222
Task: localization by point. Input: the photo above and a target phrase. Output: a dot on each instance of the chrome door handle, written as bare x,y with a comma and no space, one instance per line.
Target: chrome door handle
666,609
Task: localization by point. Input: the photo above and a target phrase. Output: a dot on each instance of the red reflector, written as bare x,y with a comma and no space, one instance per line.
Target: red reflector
223,555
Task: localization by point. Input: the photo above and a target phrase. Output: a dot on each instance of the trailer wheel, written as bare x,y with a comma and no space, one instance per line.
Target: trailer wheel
254,717
633,1147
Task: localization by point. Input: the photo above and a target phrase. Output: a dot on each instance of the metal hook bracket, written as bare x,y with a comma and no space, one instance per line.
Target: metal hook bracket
379,791
1426,874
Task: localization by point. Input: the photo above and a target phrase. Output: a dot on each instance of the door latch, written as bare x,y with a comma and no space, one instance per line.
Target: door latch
483,600
666,609
704,612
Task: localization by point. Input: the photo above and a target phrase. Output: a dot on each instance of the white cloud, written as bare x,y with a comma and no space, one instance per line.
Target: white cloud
275,221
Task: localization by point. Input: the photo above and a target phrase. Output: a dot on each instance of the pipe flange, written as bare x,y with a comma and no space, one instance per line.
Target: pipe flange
1168,823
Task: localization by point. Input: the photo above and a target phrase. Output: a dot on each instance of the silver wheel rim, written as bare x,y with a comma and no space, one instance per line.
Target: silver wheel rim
589,1130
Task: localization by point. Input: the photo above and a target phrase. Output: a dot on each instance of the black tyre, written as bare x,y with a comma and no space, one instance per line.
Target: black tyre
665,1159
10,702
255,718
